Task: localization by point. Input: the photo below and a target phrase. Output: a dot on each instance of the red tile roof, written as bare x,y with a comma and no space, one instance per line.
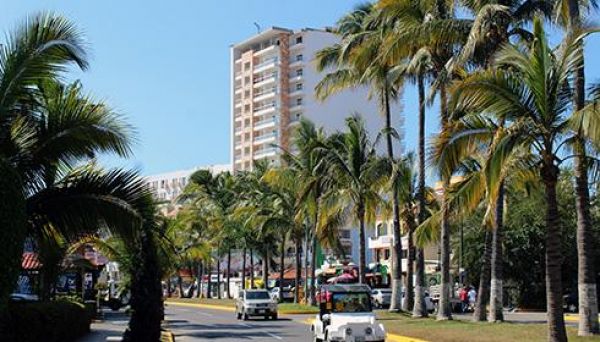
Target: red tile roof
30,261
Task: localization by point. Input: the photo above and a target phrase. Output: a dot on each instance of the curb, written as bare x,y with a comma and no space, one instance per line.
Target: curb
205,306
298,312
574,317
167,336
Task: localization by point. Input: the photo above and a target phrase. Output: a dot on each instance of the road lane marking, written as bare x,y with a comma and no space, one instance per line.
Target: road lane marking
261,331
391,337
273,335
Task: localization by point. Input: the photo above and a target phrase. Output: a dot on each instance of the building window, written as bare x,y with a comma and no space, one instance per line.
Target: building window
299,40
299,58
247,66
247,108
381,229
247,94
299,101
246,80
299,72
298,86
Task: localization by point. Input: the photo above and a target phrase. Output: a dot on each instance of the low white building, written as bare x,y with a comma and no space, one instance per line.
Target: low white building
168,186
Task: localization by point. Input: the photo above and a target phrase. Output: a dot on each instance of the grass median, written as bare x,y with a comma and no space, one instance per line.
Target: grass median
459,331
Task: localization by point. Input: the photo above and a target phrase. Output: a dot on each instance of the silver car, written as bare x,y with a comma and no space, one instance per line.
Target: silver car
255,303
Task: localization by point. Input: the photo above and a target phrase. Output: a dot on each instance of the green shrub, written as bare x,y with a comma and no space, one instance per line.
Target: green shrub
45,321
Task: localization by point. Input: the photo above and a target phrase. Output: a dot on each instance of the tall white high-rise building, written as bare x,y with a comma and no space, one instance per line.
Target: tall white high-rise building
273,77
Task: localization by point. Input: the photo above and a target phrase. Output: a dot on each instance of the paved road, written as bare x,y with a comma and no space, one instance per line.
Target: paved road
195,324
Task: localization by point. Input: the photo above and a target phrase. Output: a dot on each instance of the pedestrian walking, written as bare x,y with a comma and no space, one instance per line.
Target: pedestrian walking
472,295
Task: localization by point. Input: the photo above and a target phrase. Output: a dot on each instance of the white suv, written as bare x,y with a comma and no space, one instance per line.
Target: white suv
255,303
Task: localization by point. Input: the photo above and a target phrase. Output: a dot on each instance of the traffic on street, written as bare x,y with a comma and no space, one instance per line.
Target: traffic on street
194,324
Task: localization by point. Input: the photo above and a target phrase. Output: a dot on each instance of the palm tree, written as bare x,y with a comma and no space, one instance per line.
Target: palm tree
569,13
358,176
40,49
427,33
356,63
403,181
494,24
313,183
47,129
214,198
534,101
286,215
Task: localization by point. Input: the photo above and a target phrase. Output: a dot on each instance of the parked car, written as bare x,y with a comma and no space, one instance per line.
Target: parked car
381,297
23,297
428,302
255,303
287,294
346,314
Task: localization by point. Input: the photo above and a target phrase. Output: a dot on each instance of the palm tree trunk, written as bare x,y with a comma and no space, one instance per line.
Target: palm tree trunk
200,274
313,263
496,314
147,309
209,282
265,268
218,274
307,240
588,300
586,274
180,285
362,264
444,309
244,268
169,287
298,271
313,272
483,295
409,303
251,268
420,308
228,272
396,301
281,268
13,223
554,257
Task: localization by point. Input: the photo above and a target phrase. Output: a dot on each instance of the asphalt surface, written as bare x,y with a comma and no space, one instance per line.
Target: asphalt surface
199,324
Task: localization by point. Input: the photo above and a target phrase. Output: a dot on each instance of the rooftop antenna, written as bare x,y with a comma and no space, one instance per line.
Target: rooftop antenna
257,27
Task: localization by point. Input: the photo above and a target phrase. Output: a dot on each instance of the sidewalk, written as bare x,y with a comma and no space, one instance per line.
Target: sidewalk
112,326
524,317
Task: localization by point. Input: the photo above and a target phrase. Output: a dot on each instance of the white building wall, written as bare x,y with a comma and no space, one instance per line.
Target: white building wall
168,186
332,113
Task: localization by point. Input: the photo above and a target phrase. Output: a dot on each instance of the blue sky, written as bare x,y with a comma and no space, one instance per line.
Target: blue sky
165,65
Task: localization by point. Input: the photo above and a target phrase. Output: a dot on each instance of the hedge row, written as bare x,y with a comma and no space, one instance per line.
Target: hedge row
45,321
